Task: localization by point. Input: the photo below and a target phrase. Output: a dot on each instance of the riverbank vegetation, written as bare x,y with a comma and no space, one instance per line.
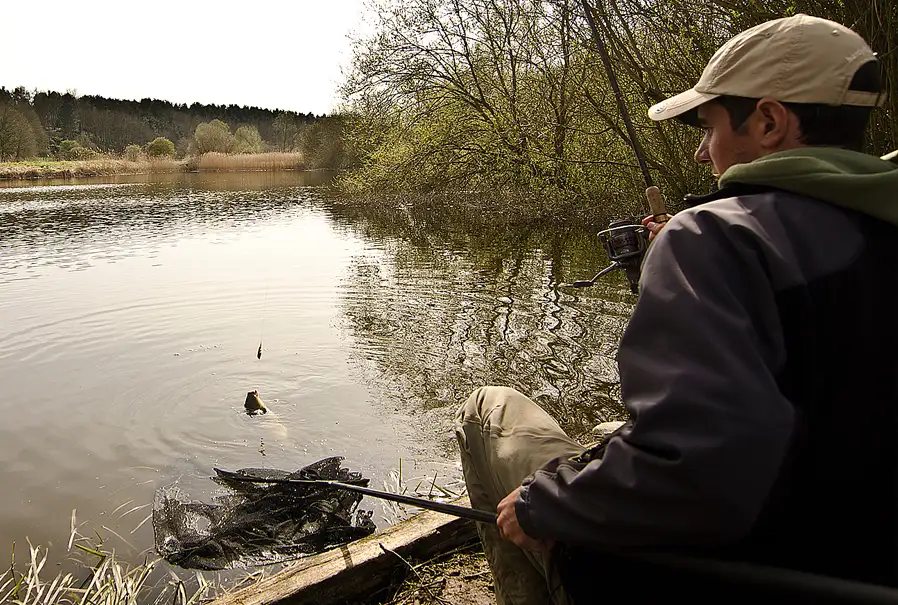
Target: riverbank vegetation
35,123
104,581
480,96
100,166
48,135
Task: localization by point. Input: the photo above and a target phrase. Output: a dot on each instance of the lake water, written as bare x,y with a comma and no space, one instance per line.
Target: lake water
131,310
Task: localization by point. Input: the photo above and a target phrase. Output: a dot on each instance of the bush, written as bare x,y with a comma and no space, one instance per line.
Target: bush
72,150
82,153
65,149
132,153
214,136
160,147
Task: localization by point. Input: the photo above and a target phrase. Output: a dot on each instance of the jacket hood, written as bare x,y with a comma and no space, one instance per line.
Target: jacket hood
850,179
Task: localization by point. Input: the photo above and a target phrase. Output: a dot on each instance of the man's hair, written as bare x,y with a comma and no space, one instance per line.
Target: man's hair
821,125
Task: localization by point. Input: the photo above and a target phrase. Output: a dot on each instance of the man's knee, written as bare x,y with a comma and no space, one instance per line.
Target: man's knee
483,401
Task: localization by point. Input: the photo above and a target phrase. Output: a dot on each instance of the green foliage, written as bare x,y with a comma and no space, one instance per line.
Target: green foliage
214,136
82,153
65,149
21,133
284,129
486,96
112,124
133,152
73,150
248,140
17,137
160,147
323,146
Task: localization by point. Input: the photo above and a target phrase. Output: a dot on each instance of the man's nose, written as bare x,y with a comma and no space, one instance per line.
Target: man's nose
701,154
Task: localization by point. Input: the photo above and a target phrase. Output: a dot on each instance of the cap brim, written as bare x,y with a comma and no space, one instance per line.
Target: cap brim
680,104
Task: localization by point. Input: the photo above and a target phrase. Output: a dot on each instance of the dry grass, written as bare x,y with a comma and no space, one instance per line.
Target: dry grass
51,169
108,582
251,161
109,165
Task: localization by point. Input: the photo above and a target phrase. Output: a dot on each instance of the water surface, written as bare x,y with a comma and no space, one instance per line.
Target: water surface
131,309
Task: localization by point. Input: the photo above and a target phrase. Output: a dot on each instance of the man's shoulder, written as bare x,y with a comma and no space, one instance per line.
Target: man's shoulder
796,237
764,208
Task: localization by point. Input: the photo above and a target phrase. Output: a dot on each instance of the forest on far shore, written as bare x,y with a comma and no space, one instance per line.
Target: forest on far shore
67,126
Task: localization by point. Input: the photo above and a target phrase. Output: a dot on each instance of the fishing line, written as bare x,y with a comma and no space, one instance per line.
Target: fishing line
262,330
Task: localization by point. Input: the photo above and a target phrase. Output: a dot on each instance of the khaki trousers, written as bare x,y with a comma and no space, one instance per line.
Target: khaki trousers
504,437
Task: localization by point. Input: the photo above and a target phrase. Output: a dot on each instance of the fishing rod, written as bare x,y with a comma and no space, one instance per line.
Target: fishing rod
652,193
624,242
440,507
618,95
732,576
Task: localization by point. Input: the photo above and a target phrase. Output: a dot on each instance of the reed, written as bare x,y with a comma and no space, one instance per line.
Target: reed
51,169
258,162
109,582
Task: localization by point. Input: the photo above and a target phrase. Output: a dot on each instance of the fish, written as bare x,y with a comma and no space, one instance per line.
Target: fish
259,353
253,404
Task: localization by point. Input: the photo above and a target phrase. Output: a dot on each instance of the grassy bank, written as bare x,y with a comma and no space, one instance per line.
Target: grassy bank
53,169
104,581
458,576
110,165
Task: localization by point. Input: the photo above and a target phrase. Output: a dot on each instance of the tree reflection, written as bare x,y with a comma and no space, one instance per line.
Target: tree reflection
451,304
73,225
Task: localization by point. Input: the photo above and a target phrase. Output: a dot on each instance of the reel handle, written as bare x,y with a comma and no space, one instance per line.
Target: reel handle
656,204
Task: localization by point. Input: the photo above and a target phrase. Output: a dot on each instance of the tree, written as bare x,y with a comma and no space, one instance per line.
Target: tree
472,93
17,140
67,116
322,144
214,136
247,140
284,129
160,147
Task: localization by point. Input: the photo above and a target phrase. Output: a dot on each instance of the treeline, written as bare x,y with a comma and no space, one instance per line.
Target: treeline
478,95
67,126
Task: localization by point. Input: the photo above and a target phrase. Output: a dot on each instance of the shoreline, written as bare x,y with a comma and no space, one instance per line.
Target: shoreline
38,170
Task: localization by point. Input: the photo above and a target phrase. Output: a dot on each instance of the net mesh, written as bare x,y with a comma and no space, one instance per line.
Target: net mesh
258,523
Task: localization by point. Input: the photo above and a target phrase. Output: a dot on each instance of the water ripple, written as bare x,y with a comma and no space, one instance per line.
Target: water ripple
130,316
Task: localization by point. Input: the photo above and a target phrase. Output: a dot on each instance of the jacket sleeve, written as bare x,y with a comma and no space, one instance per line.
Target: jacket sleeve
710,427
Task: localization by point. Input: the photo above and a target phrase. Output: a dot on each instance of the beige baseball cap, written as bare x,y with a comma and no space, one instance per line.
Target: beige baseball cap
798,59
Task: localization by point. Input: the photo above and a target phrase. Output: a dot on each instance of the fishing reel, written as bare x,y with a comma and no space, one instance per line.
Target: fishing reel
626,244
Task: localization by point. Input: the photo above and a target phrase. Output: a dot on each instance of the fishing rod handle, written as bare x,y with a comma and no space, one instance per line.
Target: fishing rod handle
656,204
441,507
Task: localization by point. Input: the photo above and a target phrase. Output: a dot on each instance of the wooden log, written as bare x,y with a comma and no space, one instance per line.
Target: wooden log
356,570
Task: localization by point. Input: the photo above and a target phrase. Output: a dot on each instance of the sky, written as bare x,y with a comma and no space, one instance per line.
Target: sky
265,53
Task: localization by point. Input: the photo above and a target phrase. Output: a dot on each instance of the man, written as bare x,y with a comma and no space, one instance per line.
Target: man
759,366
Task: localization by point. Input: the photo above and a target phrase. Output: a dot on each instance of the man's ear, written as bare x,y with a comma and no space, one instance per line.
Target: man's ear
775,124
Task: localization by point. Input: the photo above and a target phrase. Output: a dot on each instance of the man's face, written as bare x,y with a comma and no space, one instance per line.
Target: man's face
722,146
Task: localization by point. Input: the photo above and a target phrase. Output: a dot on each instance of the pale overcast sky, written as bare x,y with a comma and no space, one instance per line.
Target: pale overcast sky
267,53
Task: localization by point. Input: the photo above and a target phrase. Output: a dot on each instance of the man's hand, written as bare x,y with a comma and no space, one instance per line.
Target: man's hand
653,227
509,528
